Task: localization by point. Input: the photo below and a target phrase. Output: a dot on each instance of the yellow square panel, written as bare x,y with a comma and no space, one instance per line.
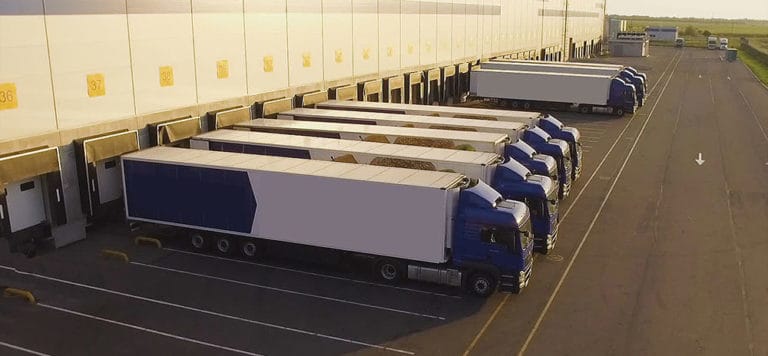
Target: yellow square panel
166,76
8,97
222,69
96,85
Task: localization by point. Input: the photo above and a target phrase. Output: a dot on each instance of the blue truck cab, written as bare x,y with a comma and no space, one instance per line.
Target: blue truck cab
638,74
492,238
544,143
637,82
556,129
515,182
622,97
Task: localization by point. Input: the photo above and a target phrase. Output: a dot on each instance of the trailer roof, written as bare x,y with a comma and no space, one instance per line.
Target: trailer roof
559,63
350,146
496,138
421,119
250,162
453,110
543,73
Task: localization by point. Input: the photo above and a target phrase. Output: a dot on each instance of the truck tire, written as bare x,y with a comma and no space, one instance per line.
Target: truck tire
224,245
585,109
527,105
619,111
481,284
250,249
514,104
199,241
389,271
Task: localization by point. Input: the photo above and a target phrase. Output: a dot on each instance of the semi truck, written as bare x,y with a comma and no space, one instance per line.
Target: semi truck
623,73
712,42
516,131
429,226
498,143
546,122
586,93
618,67
723,43
511,179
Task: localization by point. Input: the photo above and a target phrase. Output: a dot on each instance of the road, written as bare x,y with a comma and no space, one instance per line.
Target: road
656,255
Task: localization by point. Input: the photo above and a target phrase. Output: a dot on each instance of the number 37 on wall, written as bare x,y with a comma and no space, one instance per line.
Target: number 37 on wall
96,86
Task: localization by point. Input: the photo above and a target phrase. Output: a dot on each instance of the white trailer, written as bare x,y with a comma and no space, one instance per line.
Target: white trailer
479,141
411,222
514,130
587,93
480,165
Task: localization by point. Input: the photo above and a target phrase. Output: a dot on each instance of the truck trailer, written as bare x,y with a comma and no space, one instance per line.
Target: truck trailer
511,179
430,226
618,67
498,143
587,93
548,123
516,131
623,73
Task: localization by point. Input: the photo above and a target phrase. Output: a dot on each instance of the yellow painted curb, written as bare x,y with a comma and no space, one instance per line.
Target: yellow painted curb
15,292
148,240
115,254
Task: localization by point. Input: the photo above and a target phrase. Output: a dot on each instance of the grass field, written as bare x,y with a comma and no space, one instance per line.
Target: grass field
718,27
759,68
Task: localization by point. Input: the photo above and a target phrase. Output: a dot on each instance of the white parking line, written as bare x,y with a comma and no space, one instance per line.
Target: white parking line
595,218
19,348
287,291
313,273
206,312
148,330
590,140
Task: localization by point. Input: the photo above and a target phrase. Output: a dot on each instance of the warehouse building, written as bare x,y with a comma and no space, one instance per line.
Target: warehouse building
84,81
668,34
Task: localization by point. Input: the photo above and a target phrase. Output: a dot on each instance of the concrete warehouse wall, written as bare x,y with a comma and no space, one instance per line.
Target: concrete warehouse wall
224,52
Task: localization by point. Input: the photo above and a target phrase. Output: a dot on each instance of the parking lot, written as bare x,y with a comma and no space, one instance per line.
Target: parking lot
656,255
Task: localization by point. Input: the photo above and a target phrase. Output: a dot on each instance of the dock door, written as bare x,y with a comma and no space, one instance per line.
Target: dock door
31,198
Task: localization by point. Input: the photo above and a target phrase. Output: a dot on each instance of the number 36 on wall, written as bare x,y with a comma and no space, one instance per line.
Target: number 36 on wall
8,98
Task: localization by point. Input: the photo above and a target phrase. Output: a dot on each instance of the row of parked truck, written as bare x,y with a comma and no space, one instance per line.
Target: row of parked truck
450,195
584,87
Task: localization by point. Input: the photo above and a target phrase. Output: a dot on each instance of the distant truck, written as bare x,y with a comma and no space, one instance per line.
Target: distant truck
548,123
510,179
430,226
712,42
558,169
533,136
585,93
623,73
680,42
723,44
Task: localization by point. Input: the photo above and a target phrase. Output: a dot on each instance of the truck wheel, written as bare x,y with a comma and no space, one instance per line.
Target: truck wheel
514,104
619,112
584,109
224,245
250,249
481,284
527,105
199,242
389,271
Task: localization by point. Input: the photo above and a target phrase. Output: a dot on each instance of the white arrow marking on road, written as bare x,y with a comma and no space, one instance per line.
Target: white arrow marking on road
699,160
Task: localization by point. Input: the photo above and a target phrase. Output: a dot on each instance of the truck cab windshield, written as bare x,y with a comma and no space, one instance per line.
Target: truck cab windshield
500,236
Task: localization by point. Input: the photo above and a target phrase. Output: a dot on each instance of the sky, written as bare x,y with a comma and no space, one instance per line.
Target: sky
731,9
